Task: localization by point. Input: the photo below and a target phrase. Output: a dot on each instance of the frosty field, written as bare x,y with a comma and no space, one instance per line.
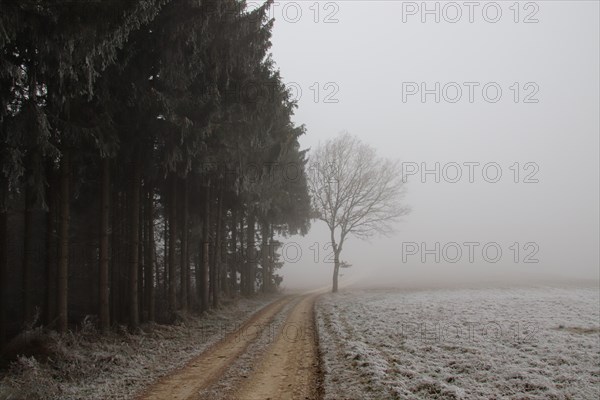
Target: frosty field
537,343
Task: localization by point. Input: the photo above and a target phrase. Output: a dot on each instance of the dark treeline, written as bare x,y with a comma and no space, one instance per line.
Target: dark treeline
147,160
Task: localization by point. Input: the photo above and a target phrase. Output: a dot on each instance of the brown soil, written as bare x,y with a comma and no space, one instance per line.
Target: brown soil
288,369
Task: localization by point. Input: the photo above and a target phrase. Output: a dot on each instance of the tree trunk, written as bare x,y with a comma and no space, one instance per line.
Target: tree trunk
198,274
266,286
184,263
149,262
28,245
134,225
233,262
50,294
242,261
165,281
28,253
272,250
3,255
116,257
224,252
251,251
172,245
141,247
336,270
104,311
205,251
217,265
63,240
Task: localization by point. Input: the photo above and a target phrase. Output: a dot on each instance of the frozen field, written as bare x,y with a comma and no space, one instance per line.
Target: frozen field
539,343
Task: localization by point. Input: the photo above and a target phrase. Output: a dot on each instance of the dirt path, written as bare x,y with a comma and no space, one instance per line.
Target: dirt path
287,369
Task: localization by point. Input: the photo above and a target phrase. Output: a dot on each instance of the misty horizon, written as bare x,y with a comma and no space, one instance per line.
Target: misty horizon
548,145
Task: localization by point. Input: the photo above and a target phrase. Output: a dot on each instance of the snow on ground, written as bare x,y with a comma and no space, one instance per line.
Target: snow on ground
536,343
86,365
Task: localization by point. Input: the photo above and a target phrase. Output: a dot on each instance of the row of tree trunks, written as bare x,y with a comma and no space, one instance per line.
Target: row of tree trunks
127,250
140,251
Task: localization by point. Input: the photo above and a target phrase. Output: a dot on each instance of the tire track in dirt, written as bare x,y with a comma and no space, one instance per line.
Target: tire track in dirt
207,368
290,367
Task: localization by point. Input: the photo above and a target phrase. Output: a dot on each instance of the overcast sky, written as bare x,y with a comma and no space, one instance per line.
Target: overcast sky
368,62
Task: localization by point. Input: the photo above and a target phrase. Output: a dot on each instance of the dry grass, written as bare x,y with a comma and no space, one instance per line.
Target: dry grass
87,365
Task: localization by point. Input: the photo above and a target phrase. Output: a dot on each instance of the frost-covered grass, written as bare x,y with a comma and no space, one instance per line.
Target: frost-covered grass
86,365
538,343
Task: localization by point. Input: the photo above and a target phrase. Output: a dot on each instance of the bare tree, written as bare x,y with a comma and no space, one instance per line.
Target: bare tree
354,192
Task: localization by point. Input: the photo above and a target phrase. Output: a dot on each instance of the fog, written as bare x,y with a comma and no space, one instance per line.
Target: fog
367,66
